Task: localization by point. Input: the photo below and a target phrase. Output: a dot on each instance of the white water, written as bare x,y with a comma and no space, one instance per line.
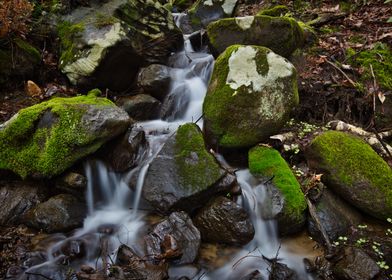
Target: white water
112,205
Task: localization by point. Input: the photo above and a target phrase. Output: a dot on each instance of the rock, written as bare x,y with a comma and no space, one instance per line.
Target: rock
60,213
125,152
18,197
355,265
140,107
184,175
175,238
105,45
127,258
205,11
155,80
45,139
250,95
255,275
198,39
335,216
280,271
49,270
354,171
267,163
282,35
224,221
72,182
276,11
20,60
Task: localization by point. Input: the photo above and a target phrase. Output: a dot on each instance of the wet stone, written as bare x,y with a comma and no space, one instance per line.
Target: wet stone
175,238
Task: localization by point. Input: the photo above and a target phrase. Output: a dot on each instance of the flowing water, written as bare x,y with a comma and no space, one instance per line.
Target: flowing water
114,217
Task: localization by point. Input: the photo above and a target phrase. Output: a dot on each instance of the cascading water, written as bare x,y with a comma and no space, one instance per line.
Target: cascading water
113,216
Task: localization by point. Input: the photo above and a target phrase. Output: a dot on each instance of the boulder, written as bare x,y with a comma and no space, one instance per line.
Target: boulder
140,107
355,265
282,35
224,221
205,11
354,171
175,239
60,213
250,95
105,45
335,215
18,197
72,182
268,164
45,139
184,175
155,80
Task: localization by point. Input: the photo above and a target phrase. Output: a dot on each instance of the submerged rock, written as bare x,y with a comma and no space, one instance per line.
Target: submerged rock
175,238
355,265
60,213
45,139
105,45
205,11
224,221
184,175
354,171
335,216
250,95
140,107
267,163
17,198
282,35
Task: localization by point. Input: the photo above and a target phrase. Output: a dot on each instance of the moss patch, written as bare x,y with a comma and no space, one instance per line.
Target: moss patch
380,57
351,164
68,33
31,145
197,167
267,162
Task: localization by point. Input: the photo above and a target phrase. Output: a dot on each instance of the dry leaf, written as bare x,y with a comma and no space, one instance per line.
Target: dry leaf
381,97
33,90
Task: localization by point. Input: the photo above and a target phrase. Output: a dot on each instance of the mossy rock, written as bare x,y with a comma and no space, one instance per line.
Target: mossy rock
205,11
105,45
354,171
184,175
276,11
19,60
250,95
267,163
45,139
282,35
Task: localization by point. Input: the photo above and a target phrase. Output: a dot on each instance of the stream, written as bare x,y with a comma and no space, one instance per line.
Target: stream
117,214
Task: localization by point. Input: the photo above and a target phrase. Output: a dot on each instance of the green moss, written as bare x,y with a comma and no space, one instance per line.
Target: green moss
380,58
29,147
197,167
275,11
68,32
352,162
268,163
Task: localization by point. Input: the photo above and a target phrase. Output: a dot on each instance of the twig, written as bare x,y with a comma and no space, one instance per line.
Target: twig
244,257
199,118
269,180
341,71
374,90
382,143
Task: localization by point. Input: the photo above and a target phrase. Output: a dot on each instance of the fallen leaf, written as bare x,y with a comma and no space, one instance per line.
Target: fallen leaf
381,97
